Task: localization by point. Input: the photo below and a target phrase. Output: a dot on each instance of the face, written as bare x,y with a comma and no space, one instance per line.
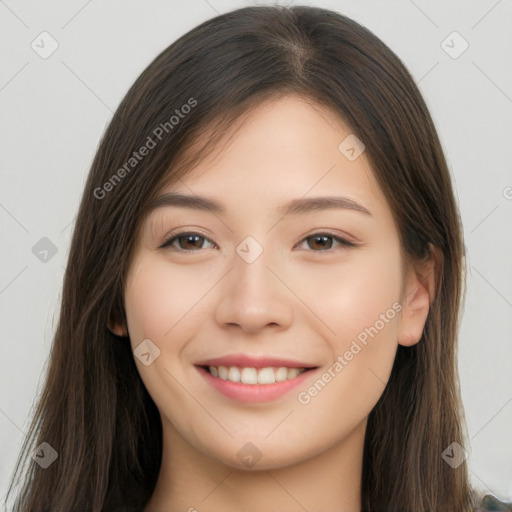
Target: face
303,307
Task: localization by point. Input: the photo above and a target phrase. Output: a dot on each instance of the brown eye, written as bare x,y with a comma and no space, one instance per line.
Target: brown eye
323,242
187,241
193,242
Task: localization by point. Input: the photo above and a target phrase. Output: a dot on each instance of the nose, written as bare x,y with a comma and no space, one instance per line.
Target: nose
255,296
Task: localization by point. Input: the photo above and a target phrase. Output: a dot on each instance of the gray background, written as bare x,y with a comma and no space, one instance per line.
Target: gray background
54,110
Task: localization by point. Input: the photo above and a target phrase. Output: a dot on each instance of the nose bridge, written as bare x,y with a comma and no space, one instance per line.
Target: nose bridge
252,274
253,296
253,282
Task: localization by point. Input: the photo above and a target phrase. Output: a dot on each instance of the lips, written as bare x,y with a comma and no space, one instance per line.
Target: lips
248,361
253,378
254,370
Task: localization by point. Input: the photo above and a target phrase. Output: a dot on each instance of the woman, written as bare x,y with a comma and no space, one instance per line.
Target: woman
301,355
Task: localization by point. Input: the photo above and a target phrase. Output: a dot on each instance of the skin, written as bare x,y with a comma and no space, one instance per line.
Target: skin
299,299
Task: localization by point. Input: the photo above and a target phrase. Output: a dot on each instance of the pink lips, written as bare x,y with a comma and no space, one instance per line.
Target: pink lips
250,393
247,361
253,393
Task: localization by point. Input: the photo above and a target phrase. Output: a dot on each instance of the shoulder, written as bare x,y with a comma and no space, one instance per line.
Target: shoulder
488,503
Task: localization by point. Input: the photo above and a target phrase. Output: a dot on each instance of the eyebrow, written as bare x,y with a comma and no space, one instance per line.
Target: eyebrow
294,207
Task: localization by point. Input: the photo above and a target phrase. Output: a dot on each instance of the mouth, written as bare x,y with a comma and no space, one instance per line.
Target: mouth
247,379
254,376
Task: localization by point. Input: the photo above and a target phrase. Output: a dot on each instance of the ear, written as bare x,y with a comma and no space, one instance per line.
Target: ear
118,329
115,325
419,292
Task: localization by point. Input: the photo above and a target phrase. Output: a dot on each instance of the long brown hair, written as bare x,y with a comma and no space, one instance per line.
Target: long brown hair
94,409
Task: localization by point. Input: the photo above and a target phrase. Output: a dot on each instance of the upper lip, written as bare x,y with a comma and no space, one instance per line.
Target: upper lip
249,361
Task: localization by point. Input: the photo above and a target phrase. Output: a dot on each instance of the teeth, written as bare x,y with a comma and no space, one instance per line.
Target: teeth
293,372
267,375
281,374
223,372
234,374
249,376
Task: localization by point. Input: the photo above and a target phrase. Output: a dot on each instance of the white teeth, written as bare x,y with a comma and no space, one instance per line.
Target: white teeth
293,372
281,374
266,376
249,375
234,374
223,372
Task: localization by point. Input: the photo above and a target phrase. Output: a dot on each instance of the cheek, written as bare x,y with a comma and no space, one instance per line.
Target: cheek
163,304
162,299
362,307
363,351
358,301
360,304
353,295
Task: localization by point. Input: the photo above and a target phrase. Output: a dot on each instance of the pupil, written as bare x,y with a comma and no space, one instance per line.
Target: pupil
191,238
321,237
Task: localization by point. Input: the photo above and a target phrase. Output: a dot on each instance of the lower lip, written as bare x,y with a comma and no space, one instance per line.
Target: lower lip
253,393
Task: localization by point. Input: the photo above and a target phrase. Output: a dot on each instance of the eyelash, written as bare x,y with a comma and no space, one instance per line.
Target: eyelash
343,242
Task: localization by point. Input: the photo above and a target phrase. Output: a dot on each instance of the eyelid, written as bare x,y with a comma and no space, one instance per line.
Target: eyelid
342,239
173,236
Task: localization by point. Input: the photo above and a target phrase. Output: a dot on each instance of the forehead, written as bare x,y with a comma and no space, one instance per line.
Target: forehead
290,143
282,158
288,129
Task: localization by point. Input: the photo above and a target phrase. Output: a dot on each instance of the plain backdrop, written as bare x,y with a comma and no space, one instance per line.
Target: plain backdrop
64,68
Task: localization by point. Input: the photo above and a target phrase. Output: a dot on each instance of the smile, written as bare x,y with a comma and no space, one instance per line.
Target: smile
252,376
254,385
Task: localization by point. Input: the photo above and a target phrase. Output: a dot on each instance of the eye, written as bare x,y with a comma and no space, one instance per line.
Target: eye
187,241
321,240
190,239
